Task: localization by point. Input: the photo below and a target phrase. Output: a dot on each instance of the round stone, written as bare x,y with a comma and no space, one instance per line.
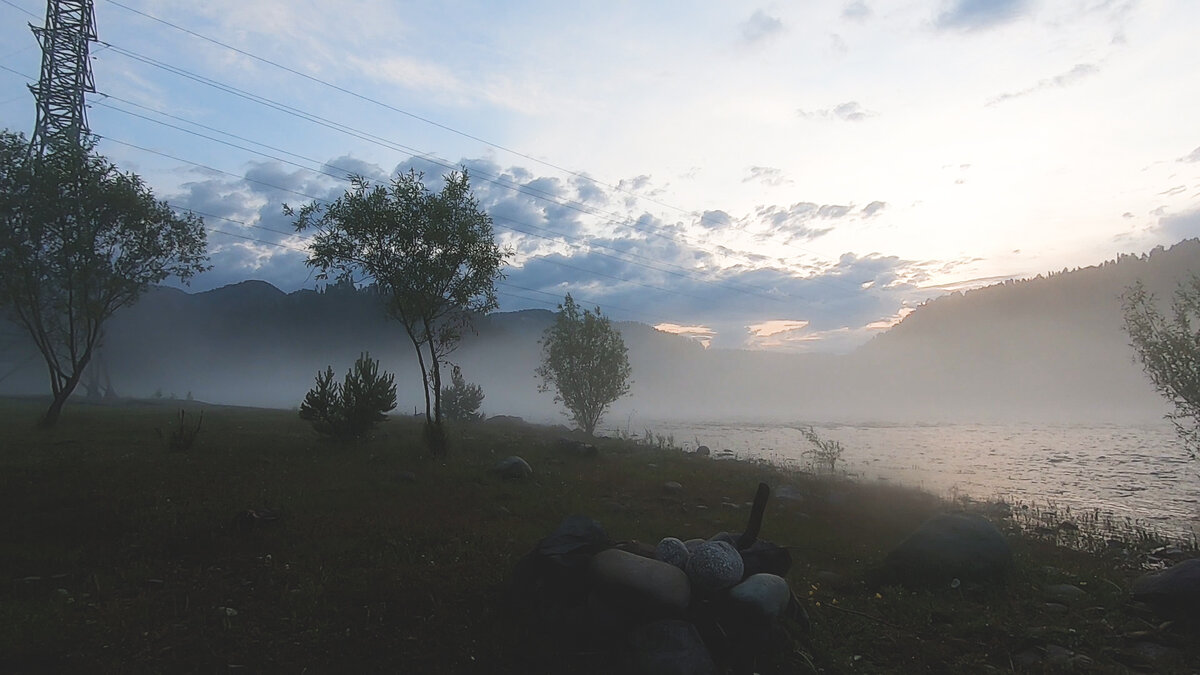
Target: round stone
715,565
673,551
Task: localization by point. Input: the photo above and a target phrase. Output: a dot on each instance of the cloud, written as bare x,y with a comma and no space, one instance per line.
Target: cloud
850,111
633,264
798,220
1179,226
971,15
873,208
760,26
777,334
1077,73
715,219
767,175
856,11
701,334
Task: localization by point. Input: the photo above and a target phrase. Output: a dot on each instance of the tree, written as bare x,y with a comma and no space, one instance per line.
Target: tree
354,407
585,361
432,255
461,399
79,240
1169,349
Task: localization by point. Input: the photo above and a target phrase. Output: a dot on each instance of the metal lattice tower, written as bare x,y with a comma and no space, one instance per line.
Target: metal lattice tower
66,74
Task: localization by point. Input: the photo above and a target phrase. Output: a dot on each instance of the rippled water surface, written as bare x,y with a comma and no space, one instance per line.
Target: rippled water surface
1140,472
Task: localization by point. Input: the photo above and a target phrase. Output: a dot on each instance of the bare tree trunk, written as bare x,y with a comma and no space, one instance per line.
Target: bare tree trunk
61,394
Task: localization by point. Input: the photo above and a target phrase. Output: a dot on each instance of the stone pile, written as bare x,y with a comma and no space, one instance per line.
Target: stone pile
695,606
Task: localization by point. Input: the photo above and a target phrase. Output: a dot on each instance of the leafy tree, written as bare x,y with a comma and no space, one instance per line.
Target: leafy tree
585,361
79,240
432,255
354,407
461,400
1169,349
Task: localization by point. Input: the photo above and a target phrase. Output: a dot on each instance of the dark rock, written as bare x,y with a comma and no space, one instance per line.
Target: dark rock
513,468
714,565
949,546
672,551
573,447
730,538
551,583
692,544
1174,591
766,595
637,548
703,451
669,648
656,587
766,557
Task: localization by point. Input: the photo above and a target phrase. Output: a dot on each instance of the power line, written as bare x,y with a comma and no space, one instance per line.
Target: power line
20,8
343,178
609,217
431,122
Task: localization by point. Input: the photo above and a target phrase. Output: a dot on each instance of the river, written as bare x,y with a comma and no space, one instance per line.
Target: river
1141,473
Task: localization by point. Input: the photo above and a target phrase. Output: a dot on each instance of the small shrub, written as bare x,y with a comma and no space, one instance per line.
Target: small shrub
824,452
461,400
183,437
352,408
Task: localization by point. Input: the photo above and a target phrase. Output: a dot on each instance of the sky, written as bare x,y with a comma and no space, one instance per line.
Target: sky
785,176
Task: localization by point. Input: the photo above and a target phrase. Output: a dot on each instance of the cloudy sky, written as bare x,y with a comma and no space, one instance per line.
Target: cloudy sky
783,176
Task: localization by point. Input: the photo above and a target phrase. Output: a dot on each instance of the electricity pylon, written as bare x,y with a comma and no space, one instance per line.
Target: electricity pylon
66,74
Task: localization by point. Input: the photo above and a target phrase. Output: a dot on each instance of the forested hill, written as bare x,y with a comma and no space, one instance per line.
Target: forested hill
1055,341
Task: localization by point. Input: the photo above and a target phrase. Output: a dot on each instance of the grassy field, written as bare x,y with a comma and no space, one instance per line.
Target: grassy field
119,555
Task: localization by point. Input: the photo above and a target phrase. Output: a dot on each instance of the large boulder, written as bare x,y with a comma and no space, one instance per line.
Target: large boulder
1174,591
550,585
647,586
946,547
513,468
762,595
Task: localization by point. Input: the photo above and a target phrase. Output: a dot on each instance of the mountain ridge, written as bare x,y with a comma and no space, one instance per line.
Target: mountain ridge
1051,347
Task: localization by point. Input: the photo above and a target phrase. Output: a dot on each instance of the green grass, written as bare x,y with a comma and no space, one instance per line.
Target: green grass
118,555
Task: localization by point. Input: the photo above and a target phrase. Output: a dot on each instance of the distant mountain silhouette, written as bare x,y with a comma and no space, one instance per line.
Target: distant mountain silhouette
1048,348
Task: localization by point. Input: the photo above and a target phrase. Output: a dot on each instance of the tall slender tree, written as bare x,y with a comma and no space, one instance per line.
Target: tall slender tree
432,255
79,240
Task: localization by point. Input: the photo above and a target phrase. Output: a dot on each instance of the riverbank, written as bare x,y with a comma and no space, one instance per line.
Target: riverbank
266,548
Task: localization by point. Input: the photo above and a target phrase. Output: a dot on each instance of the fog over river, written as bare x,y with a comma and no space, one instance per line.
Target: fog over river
1140,472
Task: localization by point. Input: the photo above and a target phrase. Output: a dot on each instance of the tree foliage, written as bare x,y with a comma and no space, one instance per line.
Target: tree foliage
79,240
585,362
352,408
1168,347
462,399
432,255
